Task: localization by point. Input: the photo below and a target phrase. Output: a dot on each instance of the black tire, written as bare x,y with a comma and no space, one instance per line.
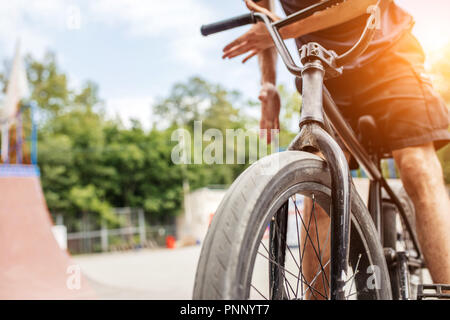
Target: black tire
228,254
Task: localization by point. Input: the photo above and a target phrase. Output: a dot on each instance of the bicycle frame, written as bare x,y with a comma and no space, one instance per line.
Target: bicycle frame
312,135
319,111
320,119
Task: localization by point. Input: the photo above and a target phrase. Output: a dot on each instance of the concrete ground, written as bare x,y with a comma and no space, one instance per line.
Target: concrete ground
145,274
159,274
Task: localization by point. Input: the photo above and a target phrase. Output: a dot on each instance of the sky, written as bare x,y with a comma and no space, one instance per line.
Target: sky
135,50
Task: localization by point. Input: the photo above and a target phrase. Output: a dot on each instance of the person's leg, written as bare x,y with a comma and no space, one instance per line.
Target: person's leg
317,237
316,250
422,177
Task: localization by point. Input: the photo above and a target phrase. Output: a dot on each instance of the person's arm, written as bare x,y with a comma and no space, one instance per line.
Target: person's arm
330,17
254,42
269,97
267,59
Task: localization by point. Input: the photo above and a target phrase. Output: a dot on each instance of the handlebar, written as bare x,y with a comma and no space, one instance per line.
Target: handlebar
227,24
363,43
273,28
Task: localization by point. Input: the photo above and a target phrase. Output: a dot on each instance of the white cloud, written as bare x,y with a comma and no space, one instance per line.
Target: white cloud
150,18
177,21
128,108
36,23
31,22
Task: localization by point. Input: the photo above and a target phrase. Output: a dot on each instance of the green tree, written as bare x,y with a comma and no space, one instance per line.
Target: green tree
291,102
48,84
199,100
217,108
71,141
91,164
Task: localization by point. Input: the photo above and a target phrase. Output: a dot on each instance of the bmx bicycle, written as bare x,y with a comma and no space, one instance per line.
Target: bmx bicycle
369,252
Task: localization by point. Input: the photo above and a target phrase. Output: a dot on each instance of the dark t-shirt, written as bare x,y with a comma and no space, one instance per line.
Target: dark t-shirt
394,23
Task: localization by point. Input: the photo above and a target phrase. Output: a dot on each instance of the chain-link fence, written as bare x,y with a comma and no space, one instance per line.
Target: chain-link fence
134,232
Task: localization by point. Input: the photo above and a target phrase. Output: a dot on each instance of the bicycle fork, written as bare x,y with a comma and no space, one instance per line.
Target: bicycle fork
313,136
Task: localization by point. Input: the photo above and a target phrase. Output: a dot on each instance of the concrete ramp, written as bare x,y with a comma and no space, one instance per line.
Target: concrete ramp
32,265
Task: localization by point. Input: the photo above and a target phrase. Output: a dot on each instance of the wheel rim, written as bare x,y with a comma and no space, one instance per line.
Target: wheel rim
285,263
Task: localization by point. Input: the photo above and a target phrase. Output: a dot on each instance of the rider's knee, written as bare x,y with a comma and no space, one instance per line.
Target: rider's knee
420,169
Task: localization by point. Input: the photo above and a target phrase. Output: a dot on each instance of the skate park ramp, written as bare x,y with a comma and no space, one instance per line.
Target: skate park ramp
32,265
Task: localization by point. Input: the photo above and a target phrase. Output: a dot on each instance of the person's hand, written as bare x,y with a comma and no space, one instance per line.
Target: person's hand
270,110
255,40
252,42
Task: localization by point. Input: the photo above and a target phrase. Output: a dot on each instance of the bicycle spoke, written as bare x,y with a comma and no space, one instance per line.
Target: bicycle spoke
317,275
273,261
318,247
289,272
302,252
258,291
279,260
308,236
289,285
265,248
286,291
292,255
299,253
285,241
354,273
262,243
324,249
303,279
351,295
297,213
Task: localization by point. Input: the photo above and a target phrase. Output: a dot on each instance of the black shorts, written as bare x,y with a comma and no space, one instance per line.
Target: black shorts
396,91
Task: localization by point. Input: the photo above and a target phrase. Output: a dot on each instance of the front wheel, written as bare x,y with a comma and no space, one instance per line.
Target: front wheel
263,244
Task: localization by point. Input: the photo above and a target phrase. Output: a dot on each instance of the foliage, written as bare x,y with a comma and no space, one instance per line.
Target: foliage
90,163
291,102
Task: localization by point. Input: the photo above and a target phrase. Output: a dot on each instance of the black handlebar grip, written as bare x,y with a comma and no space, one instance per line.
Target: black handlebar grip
228,24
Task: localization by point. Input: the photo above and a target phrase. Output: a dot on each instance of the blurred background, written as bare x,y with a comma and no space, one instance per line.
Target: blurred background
108,82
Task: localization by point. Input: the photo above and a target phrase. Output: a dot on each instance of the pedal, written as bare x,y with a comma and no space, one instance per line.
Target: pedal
425,291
